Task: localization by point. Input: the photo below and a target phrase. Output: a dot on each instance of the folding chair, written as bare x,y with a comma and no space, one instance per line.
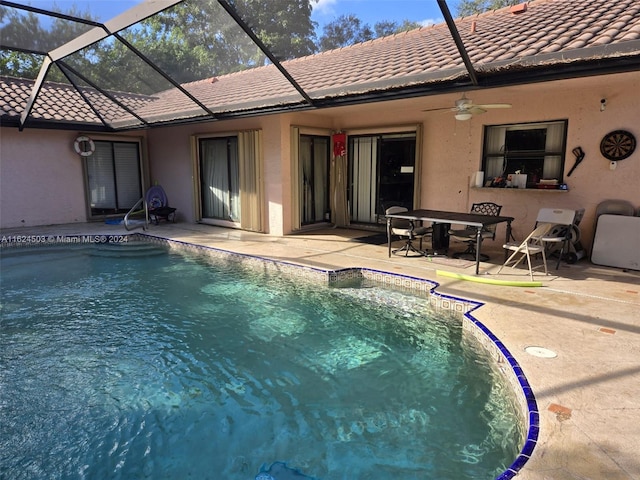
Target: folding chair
561,221
532,245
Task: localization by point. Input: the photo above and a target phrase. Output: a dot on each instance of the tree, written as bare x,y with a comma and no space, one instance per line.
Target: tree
349,29
24,32
190,41
197,40
467,8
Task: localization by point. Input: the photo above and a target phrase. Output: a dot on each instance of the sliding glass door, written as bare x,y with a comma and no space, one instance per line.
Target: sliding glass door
220,178
230,180
114,181
381,174
314,179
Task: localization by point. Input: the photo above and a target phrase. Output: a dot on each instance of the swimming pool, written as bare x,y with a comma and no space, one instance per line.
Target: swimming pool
130,361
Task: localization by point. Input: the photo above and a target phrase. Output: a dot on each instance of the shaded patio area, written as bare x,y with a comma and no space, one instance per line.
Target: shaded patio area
587,315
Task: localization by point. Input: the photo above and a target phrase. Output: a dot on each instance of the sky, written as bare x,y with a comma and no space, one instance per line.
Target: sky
370,12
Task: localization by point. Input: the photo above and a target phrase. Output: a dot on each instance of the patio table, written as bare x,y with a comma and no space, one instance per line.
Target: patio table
476,220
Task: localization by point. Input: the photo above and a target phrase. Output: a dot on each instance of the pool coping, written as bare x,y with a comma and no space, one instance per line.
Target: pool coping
505,361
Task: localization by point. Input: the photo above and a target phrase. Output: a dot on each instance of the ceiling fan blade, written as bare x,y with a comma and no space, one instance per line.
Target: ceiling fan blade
476,110
494,105
438,109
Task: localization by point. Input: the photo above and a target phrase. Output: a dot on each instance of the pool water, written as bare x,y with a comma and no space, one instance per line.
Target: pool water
129,361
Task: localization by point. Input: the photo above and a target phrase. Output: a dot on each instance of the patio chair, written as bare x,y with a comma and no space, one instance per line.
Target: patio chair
158,205
532,245
404,229
469,235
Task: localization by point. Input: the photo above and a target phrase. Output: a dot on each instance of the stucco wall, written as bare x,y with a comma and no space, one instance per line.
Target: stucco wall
41,179
452,150
591,182
172,166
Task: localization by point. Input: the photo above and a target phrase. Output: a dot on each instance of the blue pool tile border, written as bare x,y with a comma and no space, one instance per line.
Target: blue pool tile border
506,363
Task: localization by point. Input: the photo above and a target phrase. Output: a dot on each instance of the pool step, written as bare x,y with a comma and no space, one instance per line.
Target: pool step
128,249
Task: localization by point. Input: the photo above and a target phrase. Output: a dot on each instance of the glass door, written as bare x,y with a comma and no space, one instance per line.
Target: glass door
220,178
113,178
396,172
381,173
314,179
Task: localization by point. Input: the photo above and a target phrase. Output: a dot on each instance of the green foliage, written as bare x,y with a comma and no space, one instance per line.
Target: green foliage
24,32
467,8
349,29
190,41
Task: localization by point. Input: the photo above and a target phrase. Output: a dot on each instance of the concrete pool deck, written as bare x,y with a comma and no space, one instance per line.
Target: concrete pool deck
588,394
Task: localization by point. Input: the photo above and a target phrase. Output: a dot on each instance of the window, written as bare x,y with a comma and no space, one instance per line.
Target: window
113,177
535,149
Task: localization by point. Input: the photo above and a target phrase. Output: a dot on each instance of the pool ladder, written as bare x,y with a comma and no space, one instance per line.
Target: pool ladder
140,207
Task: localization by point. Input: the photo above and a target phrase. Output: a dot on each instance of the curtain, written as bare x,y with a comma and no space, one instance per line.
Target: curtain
251,180
231,179
320,174
234,180
310,177
114,177
495,152
553,163
214,178
296,175
306,193
338,189
363,173
127,174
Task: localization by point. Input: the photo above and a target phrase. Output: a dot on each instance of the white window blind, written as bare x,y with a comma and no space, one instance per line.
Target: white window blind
113,177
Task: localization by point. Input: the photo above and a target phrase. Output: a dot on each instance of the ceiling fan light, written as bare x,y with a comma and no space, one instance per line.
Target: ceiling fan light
463,116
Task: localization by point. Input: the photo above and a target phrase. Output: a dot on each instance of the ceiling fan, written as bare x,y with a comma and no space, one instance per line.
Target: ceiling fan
464,108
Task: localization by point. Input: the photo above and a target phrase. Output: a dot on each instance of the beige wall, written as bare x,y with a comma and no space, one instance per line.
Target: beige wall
42,180
452,150
42,177
172,166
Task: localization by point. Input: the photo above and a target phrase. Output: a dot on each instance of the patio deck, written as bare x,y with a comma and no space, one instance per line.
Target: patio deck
588,395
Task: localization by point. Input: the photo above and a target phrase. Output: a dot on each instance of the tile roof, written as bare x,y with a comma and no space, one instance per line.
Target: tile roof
61,102
544,35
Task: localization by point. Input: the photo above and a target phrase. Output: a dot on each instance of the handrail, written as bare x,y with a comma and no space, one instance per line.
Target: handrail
134,210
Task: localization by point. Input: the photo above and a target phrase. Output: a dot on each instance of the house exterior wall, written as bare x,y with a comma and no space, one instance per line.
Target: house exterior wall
172,163
452,150
42,178
591,182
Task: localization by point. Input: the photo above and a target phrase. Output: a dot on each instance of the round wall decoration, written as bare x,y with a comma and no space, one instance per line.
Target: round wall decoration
84,146
618,145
